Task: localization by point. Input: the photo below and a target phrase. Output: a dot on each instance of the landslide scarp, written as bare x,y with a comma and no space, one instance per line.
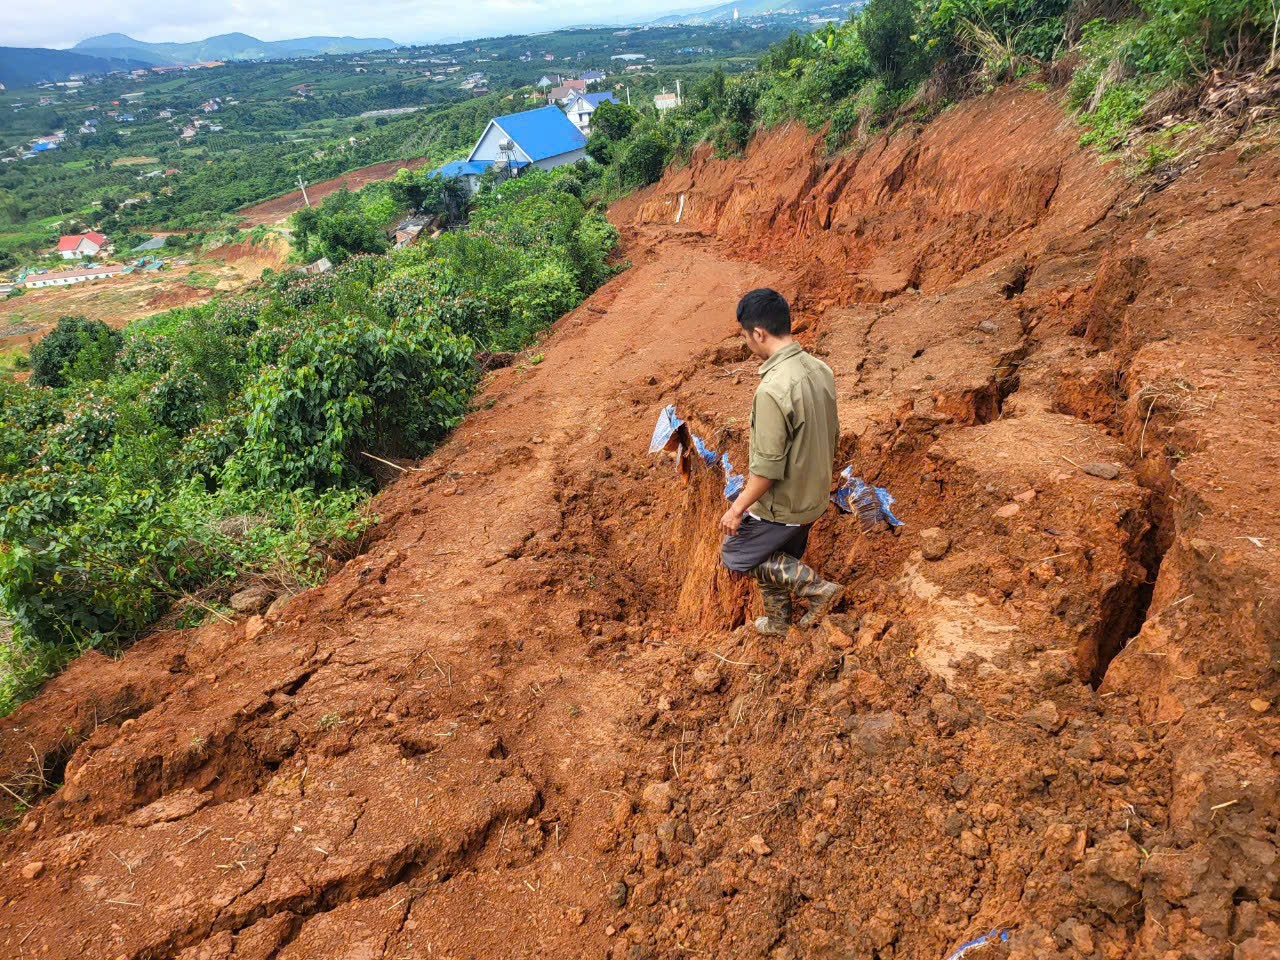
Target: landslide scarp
528,722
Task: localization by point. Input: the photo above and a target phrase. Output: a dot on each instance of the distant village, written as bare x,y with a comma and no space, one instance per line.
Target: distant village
541,138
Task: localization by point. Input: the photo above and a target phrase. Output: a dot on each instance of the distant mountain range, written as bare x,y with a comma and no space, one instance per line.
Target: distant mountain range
24,66
752,8
228,46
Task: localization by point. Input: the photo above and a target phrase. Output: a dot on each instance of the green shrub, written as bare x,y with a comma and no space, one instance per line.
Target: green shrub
75,349
642,160
1119,109
537,299
350,386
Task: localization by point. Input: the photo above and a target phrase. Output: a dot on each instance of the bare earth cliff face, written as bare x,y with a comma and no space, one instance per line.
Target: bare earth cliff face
527,721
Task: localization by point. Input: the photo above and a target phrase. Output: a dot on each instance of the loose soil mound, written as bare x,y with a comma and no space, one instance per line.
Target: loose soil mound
278,208
526,721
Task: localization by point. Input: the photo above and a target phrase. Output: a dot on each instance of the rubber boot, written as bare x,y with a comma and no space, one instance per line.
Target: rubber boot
777,610
785,571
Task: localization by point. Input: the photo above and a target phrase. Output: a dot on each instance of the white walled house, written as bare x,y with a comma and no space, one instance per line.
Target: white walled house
62,278
582,106
81,245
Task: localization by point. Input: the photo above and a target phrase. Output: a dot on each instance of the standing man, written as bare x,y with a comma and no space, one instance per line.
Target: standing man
793,446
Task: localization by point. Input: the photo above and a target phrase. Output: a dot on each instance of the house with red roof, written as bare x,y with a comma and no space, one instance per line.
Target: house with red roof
81,245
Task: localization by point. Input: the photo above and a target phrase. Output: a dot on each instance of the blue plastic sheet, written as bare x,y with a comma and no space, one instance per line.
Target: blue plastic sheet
871,504
709,456
976,942
672,434
733,482
665,429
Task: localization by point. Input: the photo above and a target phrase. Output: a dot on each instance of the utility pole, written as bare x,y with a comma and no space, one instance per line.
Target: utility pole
678,100
303,187
628,96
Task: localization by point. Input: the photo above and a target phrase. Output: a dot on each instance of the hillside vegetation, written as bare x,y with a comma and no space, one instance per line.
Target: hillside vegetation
236,439
899,60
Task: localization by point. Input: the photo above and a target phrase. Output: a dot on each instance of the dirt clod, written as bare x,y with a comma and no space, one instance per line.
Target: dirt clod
657,797
934,543
33,869
252,600
1104,471
1045,715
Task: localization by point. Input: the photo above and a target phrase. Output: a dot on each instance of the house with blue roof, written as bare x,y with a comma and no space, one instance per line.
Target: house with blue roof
581,107
543,138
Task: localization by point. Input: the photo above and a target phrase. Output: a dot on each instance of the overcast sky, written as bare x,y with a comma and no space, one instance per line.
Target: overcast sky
44,23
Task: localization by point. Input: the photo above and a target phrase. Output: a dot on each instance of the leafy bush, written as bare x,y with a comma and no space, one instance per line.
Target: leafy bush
888,32
354,385
642,160
75,349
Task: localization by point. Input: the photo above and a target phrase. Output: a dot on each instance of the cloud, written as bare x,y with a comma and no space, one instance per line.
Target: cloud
44,24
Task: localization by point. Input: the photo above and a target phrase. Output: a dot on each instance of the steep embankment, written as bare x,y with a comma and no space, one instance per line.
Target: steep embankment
525,723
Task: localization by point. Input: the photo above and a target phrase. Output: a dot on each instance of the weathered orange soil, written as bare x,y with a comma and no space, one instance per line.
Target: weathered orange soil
526,721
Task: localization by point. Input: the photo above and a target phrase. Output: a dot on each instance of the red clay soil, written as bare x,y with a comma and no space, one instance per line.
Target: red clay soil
278,208
526,721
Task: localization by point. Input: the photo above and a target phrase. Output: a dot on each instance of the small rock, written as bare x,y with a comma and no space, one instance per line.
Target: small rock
1105,471
254,627
1026,496
1074,933
33,869
973,846
577,916
1045,716
758,846
657,796
1008,510
276,610
934,544
251,600
1258,705
618,894
989,326
706,678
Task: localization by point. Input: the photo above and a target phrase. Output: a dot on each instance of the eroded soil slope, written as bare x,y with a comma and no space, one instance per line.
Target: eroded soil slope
527,720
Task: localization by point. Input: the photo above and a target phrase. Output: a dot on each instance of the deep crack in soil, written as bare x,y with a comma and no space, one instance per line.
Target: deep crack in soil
528,720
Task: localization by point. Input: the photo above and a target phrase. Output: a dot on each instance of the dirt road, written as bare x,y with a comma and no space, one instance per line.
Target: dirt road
527,722
278,209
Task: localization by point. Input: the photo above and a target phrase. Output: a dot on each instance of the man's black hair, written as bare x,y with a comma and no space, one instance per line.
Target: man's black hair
766,309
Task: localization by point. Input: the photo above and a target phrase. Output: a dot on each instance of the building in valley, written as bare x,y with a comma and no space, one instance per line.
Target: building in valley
543,138
582,106
81,245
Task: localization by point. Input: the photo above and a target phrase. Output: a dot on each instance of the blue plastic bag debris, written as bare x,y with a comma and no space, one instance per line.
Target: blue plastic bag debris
672,434
995,935
871,504
733,482
665,429
709,456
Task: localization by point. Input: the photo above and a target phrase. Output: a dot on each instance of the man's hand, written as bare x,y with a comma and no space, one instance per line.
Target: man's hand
731,521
